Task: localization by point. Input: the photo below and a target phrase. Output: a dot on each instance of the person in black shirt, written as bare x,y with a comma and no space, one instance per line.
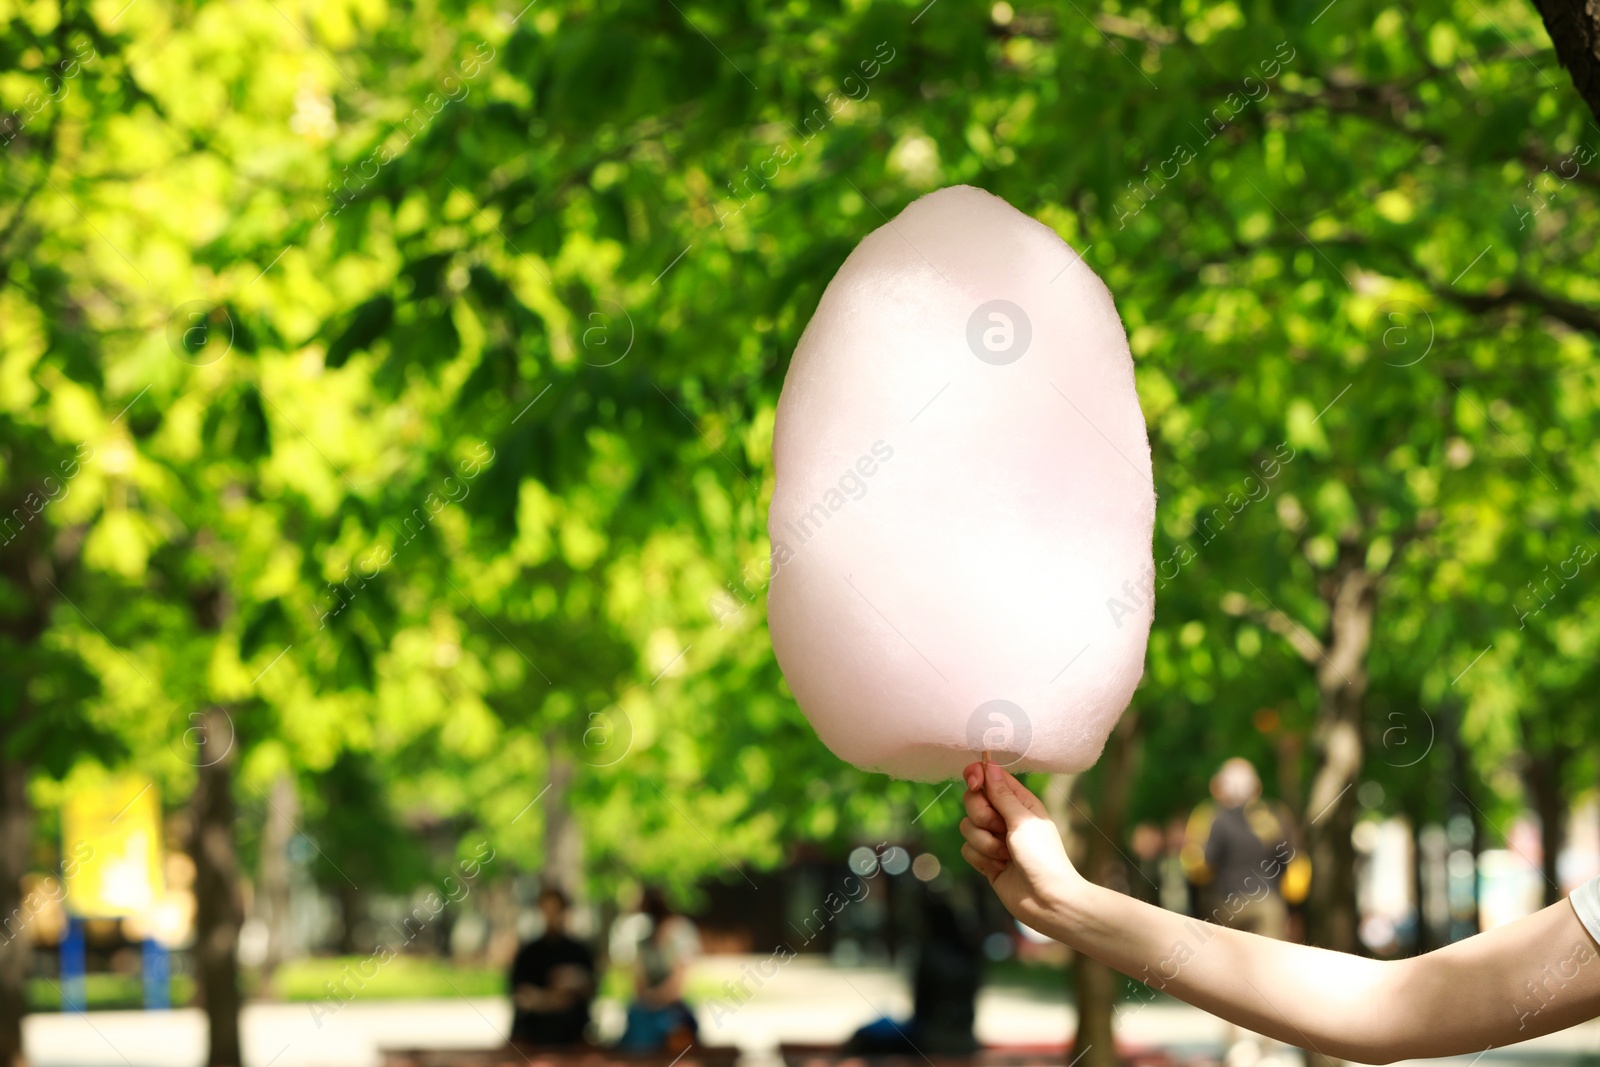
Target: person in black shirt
945,986
944,991
552,981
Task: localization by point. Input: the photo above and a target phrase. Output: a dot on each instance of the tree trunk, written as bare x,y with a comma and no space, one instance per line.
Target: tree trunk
1095,984
353,915
563,843
1426,939
1469,922
30,575
1058,793
1341,671
275,840
1337,744
15,939
216,889
1574,27
1546,777
500,909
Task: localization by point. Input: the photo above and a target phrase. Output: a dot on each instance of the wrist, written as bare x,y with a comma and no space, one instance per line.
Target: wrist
1066,907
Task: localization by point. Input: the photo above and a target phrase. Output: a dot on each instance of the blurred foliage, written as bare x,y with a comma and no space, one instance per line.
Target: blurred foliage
415,371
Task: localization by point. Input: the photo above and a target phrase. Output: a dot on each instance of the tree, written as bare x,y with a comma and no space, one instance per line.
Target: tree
218,909
50,514
476,498
1574,28
1094,984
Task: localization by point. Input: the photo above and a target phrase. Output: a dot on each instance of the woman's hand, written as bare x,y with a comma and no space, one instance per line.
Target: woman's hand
1012,841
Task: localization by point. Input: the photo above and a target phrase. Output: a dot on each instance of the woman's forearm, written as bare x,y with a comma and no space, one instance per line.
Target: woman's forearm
1493,989
1521,980
1305,996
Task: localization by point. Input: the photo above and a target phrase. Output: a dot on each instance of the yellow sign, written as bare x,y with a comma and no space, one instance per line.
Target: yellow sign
112,833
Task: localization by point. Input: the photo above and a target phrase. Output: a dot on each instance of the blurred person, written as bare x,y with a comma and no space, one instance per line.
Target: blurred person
1237,848
552,981
1148,845
1518,981
1178,893
658,1018
1239,852
944,991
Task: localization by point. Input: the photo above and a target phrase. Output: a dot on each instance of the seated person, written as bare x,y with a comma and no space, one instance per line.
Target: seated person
944,994
1526,978
552,981
658,1018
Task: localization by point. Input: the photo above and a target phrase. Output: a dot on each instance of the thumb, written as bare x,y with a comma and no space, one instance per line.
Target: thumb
1005,794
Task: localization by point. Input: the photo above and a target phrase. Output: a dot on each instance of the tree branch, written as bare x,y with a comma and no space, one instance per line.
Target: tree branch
1519,292
1574,28
1300,639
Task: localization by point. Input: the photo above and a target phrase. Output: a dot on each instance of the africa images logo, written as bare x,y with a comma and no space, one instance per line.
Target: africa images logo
1002,729
999,332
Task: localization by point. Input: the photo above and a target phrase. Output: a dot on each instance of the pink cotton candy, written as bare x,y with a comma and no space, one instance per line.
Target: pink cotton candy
961,526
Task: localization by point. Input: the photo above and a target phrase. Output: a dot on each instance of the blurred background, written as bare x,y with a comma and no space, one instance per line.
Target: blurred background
386,400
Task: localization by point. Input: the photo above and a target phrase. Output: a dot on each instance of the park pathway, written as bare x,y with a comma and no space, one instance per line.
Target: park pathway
805,1001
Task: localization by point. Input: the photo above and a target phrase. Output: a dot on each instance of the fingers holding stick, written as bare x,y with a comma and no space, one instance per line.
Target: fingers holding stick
979,807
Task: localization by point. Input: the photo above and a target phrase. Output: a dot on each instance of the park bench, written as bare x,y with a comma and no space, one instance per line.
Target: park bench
805,1055
533,1056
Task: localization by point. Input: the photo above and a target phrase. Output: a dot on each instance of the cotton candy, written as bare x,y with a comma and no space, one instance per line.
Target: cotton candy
961,523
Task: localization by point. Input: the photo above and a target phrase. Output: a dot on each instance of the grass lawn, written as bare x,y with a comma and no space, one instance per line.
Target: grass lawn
419,978
400,978
106,992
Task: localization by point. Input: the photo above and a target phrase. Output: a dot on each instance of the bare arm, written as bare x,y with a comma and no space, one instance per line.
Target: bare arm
1528,978
530,997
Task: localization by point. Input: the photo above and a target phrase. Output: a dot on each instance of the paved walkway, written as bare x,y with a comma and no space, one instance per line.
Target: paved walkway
805,1000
